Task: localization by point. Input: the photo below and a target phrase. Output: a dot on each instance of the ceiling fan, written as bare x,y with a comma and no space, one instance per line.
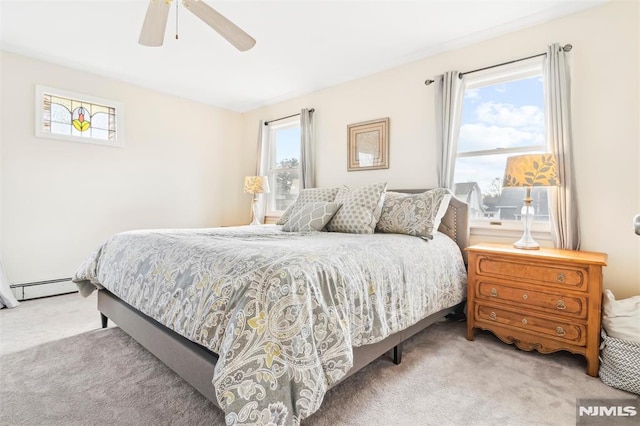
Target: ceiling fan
155,24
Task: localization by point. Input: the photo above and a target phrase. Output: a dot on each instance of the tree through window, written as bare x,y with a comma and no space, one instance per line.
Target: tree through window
284,165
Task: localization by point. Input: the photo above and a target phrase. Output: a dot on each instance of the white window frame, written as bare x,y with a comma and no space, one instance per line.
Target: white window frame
541,230
271,171
41,91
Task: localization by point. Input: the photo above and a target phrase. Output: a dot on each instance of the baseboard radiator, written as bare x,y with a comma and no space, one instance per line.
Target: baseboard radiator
46,288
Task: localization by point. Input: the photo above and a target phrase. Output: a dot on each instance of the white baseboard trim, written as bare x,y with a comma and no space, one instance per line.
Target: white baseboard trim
38,289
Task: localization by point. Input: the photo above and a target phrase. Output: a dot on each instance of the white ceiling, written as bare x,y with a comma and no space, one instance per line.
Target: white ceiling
301,46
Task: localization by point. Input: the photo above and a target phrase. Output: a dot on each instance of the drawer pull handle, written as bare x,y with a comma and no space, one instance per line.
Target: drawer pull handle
492,315
494,292
561,305
524,320
560,331
561,277
525,297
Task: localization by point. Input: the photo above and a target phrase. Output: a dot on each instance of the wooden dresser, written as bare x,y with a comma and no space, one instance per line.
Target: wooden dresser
546,299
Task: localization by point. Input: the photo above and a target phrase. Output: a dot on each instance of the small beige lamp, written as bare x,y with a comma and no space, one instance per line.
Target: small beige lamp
256,185
528,171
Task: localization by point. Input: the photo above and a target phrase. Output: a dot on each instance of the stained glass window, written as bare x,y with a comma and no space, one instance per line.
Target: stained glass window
77,117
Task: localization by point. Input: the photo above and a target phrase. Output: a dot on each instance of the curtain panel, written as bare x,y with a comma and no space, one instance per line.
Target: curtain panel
448,109
6,296
307,149
565,227
262,166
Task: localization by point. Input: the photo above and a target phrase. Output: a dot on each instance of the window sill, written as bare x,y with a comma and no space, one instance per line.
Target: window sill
271,219
540,231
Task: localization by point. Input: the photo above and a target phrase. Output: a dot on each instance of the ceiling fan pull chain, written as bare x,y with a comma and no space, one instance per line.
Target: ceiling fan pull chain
155,22
177,19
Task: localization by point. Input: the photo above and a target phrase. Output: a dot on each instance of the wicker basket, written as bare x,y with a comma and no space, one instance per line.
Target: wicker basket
620,363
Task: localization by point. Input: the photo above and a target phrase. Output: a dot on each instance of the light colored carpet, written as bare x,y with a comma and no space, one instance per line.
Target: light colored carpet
103,377
39,321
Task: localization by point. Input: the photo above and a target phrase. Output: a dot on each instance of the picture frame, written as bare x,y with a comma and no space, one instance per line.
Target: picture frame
368,145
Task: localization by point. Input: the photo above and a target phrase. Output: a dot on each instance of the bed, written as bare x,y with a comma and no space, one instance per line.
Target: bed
264,324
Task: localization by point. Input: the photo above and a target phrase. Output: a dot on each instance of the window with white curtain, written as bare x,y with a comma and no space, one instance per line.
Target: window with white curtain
502,115
283,164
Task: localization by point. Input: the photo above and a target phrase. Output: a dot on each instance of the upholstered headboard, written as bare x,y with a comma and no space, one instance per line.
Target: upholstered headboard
455,222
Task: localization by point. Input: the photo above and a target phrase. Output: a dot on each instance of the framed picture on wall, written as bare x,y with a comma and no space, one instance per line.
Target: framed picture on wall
368,145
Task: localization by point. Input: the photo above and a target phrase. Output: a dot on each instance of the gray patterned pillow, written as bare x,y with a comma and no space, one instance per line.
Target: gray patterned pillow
360,209
311,217
413,214
309,195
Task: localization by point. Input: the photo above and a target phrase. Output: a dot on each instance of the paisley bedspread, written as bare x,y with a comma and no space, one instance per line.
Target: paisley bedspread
282,310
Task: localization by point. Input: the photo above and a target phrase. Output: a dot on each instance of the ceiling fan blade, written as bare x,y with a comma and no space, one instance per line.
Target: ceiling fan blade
155,23
227,29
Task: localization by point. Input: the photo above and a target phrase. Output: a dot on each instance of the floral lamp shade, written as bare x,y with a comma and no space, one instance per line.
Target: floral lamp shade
527,171
531,170
256,184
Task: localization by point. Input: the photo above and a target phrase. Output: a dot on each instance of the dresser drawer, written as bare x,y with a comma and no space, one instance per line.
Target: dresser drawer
575,306
556,329
545,300
560,276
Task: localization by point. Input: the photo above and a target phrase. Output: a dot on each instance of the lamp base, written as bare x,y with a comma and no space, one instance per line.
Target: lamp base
526,244
254,211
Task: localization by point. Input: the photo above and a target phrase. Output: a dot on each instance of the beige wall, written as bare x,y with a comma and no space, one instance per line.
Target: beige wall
637,120
605,70
61,199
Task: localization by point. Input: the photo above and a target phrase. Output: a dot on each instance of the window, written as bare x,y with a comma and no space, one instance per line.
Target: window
78,118
284,169
502,116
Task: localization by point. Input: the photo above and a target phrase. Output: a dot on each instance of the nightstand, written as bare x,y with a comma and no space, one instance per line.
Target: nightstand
547,299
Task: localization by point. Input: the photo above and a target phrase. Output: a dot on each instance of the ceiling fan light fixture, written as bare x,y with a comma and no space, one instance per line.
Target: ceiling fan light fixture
155,23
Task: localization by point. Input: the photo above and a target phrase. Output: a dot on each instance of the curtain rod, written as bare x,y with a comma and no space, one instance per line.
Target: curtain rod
566,48
266,123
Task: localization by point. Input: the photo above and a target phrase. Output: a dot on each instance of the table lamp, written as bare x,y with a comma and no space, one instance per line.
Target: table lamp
256,185
527,171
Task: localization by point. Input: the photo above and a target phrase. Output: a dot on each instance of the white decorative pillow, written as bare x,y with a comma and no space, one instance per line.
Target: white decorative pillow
413,214
311,217
309,195
360,209
621,318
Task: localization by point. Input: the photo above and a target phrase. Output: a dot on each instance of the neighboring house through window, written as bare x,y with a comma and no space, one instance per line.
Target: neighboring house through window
284,169
502,116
